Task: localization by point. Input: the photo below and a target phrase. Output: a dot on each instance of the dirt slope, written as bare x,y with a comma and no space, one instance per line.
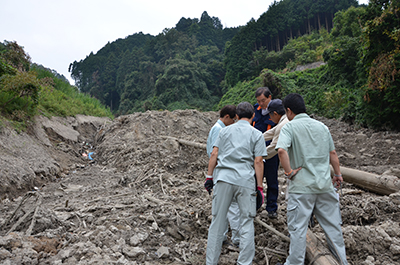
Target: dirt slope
141,199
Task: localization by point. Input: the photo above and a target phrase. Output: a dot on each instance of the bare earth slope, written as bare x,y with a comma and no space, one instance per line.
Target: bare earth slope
141,199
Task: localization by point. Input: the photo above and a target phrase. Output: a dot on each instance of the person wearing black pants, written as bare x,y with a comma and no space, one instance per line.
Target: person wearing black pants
263,123
271,176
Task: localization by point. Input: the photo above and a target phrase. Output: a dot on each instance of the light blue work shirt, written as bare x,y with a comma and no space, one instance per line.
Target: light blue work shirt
238,145
308,143
212,136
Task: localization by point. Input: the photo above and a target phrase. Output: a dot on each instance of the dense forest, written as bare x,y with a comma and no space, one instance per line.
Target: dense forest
180,68
193,64
199,64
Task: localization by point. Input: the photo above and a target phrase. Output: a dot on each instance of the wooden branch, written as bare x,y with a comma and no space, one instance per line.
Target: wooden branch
25,198
285,238
266,257
278,252
33,222
20,220
162,188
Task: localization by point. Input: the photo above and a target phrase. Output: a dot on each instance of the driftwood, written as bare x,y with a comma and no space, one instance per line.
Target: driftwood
384,185
185,142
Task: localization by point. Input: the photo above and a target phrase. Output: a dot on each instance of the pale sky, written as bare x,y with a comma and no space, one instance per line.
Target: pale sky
56,33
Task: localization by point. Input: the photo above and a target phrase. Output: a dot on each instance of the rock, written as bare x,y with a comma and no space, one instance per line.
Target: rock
163,252
4,254
133,252
138,239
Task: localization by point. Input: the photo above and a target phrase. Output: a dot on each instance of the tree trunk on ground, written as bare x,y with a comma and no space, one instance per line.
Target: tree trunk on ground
384,185
317,253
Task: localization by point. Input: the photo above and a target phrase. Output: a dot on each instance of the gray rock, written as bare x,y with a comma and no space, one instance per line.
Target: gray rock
133,252
163,252
138,239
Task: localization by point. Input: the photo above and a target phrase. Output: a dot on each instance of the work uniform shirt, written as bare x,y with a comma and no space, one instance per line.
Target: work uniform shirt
308,143
238,145
212,136
273,135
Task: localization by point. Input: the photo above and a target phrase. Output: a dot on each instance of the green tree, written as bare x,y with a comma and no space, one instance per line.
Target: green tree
14,55
182,81
22,90
382,59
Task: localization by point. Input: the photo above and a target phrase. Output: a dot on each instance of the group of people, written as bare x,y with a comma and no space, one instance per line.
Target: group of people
246,145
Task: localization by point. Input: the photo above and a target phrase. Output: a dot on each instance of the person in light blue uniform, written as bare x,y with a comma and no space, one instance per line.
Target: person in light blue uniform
306,151
237,155
227,116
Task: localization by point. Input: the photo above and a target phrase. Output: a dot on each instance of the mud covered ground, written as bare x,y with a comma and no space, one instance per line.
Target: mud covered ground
141,199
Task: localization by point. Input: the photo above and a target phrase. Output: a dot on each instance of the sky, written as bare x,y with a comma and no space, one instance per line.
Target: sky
56,33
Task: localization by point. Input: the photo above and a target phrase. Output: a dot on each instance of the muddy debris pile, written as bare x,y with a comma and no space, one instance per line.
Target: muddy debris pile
141,199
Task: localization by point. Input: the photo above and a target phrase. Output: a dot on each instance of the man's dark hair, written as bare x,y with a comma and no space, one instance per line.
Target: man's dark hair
228,109
295,102
245,110
263,90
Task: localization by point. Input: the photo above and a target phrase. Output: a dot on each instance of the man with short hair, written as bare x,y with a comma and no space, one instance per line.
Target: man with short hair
236,157
306,150
262,121
227,116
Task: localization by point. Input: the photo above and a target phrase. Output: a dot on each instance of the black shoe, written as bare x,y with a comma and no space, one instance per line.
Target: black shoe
272,215
279,263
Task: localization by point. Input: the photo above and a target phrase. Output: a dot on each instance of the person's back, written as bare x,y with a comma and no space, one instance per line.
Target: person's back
236,155
305,148
310,147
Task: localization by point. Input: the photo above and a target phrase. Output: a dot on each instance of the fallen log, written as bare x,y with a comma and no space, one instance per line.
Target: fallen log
381,184
316,252
185,142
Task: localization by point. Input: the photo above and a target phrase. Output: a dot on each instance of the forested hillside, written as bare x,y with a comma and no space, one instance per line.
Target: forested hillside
177,69
360,81
282,22
193,64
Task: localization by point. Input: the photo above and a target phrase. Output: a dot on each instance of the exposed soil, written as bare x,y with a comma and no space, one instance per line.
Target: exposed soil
140,200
